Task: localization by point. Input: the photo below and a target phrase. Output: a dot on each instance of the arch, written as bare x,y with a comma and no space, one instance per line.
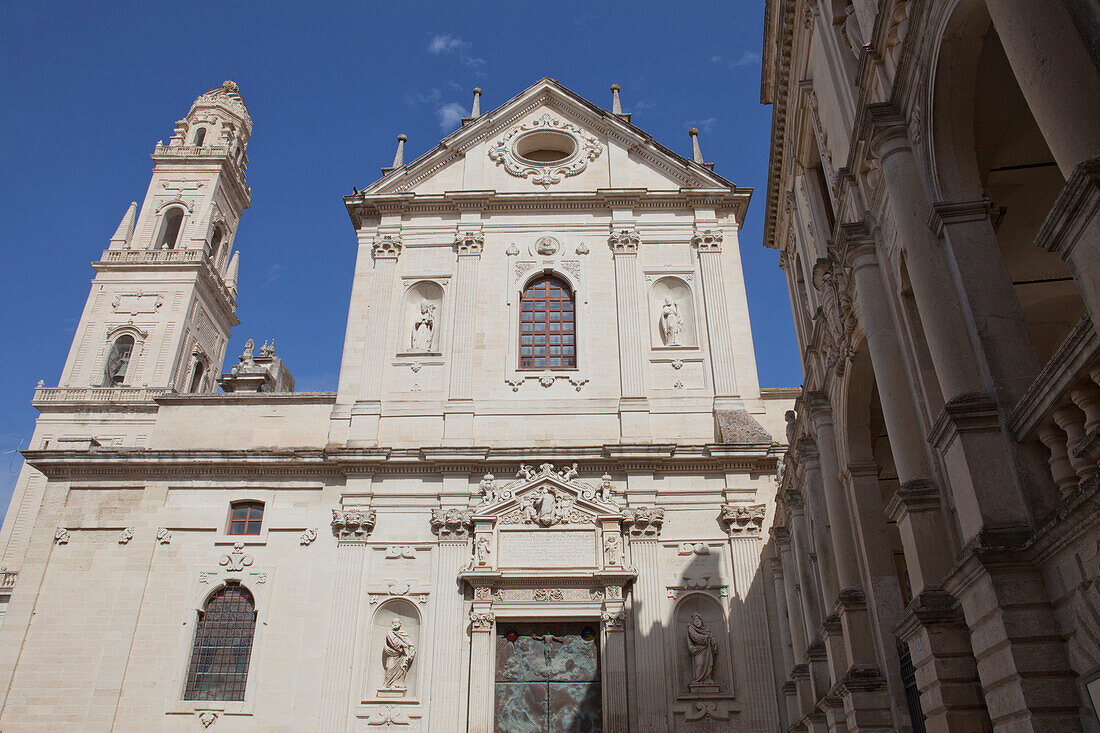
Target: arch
222,647
548,323
197,375
671,296
687,668
171,227
119,356
422,330
217,240
200,137
381,663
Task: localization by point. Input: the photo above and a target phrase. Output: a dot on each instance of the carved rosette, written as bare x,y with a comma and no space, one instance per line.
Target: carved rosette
386,247
452,524
586,148
625,242
644,521
481,621
742,520
707,240
353,525
469,243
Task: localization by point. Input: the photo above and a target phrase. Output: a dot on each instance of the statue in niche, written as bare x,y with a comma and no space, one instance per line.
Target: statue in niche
612,552
481,550
424,327
672,323
397,656
703,648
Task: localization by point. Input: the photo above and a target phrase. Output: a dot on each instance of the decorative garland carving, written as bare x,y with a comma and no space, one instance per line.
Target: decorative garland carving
586,148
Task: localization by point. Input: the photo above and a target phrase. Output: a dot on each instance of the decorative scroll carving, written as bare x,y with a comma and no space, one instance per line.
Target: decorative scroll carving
61,536
693,548
624,241
544,595
703,710
125,536
386,247
644,521
613,620
164,537
208,718
389,716
832,281
742,520
451,524
469,243
482,621
707,240
236,561
395,552
353,525
307,537
585,148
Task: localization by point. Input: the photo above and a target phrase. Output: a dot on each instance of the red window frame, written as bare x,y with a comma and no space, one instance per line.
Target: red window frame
548,325
245,518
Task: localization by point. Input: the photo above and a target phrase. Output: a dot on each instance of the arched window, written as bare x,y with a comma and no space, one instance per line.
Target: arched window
170,230
223,646
246,517
196,378
118,360
200,136
216,245
547,330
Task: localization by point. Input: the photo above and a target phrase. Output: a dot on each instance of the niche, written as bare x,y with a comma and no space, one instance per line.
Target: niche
672,313
422,322
702,648
394,656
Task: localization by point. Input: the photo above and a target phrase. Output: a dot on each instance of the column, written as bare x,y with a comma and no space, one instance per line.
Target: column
367,410
800,672
1056,75
458,416
790,697
448,711
745,547
647,606
616,715
708,242
633,407
482,669
352,529
814,496
800,547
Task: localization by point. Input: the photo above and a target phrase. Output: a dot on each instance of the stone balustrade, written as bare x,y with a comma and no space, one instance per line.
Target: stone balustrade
146,256
57,395
1061,408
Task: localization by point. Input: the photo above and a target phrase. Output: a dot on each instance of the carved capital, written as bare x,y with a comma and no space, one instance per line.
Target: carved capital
707,240
353,525
624,242
644,521
481,621
742,520
469,243
386,247
452,524
613,620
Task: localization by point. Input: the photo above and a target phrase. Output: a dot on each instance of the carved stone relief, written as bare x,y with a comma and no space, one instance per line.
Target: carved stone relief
742,519
451,524
353,525
237,560
509,150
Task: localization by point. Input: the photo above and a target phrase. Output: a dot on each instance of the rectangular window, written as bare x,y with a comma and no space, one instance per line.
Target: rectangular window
246,517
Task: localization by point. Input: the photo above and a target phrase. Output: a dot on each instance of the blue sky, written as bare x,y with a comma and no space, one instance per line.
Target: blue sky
89,88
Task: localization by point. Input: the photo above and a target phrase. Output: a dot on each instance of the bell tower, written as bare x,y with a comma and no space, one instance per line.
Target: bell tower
163,300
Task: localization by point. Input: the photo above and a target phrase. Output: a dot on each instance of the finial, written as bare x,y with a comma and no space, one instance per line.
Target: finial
231,272
696,152
399,156
125,230
616,106
476,111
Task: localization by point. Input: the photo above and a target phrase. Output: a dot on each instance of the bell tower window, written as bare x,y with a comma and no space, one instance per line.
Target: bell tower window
196,378
547,329
200,136
170,230
118,360
216,245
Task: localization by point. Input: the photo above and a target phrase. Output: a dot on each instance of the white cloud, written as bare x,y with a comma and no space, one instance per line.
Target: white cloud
472,62
273,272
706,125
450,115
747,58
445,43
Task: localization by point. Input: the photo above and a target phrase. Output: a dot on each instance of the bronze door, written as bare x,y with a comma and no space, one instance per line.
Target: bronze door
548,678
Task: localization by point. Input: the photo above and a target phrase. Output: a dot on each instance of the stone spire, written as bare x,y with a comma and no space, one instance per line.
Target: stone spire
399,156
616,105
475,111
696,151
121,239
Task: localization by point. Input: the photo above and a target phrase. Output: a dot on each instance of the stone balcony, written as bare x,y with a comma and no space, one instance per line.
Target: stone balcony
122,258
1061,408
54,397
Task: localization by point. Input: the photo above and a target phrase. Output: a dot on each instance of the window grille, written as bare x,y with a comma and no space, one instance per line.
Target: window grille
223,646
548,333
246,517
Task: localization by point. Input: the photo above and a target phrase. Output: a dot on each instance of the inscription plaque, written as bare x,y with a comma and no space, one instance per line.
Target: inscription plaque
548,548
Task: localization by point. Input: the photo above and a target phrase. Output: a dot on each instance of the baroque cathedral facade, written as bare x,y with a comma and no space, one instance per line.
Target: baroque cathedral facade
537,500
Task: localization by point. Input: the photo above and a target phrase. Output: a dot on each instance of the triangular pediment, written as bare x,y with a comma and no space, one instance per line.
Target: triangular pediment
544,497
547,139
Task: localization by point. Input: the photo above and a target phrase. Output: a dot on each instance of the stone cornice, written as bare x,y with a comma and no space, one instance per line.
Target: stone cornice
1074,208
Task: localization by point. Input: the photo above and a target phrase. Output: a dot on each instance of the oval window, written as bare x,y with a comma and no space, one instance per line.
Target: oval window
545,146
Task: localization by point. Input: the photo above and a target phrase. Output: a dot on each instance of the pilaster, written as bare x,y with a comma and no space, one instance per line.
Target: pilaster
708,244
647,606
448,714
634,411
482,669
366,412
458,418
